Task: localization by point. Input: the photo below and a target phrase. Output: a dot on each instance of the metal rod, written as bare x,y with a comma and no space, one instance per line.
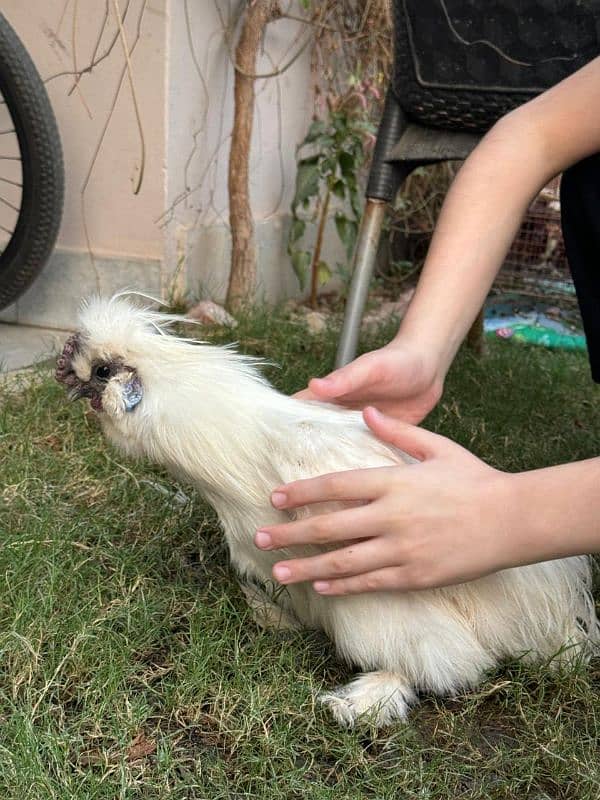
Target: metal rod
364,261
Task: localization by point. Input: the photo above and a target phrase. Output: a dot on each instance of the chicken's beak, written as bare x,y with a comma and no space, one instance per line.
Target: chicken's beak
77,392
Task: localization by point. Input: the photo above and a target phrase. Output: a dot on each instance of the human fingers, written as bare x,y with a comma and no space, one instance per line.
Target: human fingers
305,394
417,442
355,484
401,578
337,526
347,380
367,556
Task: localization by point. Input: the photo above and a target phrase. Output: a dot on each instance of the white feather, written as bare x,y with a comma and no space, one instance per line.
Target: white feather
209,416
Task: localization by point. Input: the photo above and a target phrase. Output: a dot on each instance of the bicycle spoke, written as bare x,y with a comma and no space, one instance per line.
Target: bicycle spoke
2,228
10,205
10,158
12,183
7,131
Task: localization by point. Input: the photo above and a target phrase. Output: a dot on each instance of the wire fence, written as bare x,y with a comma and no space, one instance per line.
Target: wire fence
536,264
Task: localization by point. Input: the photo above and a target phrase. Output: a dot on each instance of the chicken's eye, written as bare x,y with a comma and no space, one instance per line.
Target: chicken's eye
102,372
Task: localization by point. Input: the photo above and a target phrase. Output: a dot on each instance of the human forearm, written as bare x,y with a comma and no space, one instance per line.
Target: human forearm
479,220
556,510
487,201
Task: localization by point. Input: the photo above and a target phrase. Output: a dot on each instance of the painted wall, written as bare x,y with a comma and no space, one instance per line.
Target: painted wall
200,109
182,76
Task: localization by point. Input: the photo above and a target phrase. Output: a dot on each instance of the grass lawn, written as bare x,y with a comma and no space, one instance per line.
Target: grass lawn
130,667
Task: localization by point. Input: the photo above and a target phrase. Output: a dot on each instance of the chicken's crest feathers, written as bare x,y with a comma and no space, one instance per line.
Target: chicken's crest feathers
117,327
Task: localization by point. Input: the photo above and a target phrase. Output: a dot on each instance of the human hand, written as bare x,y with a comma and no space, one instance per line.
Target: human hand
448,519
399,379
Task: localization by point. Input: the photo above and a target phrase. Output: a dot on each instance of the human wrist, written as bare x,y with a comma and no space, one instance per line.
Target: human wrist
428,360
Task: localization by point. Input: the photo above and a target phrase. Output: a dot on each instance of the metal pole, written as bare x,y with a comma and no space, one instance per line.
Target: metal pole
364,261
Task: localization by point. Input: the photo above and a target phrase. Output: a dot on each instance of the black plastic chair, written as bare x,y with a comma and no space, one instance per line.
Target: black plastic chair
459,66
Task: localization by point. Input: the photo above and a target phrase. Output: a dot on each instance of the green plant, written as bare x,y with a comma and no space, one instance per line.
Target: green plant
335,154
132,669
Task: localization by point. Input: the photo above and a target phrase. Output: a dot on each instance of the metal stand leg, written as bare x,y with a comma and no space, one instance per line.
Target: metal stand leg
364,261
384,180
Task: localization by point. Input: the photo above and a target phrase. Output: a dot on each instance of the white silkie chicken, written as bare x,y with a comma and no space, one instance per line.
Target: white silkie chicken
207,415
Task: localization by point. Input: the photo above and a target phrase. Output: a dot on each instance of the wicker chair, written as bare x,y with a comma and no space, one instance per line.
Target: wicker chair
457,70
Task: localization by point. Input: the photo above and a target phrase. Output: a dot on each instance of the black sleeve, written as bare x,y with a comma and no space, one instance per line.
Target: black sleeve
580,217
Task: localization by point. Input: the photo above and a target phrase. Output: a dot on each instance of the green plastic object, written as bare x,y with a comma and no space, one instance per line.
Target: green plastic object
535,334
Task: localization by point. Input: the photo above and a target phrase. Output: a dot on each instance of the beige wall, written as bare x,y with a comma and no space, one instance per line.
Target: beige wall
200,108
183,83
119,223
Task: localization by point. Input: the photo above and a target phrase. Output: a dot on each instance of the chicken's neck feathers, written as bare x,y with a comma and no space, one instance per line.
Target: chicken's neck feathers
227,430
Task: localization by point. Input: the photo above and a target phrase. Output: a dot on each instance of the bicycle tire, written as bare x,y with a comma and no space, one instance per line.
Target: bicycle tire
42,193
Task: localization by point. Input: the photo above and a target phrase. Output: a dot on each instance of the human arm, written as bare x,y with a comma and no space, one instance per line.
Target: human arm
478,222
447,519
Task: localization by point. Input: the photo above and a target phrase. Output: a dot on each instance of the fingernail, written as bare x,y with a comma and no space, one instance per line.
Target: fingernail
263,539
278,499
321,586
282,574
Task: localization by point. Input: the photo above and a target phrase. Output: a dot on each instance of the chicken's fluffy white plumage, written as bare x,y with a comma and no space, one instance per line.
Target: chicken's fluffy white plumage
208,416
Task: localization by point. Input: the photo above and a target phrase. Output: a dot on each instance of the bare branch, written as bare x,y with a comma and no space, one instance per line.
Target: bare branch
138,118
242,278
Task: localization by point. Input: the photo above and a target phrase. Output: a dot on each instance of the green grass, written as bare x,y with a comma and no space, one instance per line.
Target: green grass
130,667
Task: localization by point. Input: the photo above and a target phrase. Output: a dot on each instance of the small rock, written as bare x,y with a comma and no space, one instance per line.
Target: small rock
291,305
395,308
316,322
209,313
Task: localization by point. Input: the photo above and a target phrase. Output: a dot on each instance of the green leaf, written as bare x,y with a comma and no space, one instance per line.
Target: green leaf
339,189
307,181
323,273
347,163
317,129
356,203
328,166
300,263
340,123
305,4
323,143
347,230
297,230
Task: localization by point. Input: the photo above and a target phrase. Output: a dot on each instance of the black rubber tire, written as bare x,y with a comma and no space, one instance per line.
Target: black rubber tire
42,195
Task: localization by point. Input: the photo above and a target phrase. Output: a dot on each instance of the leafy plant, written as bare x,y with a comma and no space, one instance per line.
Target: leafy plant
334,155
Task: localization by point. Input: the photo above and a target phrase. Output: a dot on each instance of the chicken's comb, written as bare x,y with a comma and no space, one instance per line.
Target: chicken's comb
64,373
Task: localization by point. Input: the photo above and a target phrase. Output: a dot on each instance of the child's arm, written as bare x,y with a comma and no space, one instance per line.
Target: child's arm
451,518
478,222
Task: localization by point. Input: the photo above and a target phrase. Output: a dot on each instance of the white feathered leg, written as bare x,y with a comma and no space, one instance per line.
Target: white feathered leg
377,697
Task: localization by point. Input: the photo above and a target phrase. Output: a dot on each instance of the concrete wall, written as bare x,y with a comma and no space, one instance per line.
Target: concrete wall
173,234
200,109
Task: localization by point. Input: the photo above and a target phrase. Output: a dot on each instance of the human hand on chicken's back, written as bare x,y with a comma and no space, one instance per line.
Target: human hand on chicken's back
446,519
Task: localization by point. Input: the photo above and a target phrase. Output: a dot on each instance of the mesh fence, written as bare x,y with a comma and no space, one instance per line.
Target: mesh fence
536,264
535,268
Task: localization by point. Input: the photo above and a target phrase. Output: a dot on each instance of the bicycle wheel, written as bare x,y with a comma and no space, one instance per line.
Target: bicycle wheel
31,170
